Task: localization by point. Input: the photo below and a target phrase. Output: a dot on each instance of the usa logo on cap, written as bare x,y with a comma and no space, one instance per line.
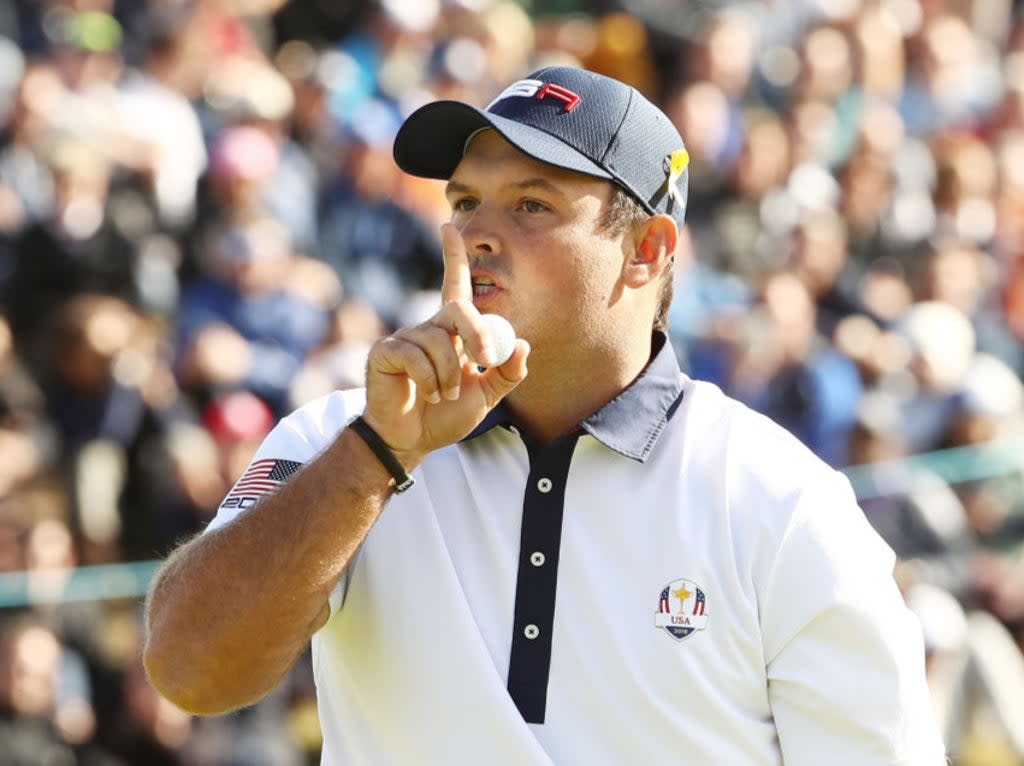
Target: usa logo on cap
682,609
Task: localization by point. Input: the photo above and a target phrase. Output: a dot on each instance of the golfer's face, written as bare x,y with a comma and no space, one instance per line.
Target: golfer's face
537,252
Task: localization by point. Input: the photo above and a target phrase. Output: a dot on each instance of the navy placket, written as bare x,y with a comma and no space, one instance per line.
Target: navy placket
537,580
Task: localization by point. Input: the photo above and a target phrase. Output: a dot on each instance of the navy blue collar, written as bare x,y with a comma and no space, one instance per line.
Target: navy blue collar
630,423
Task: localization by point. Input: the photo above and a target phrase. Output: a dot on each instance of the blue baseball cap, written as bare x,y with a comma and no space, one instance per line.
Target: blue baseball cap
567,117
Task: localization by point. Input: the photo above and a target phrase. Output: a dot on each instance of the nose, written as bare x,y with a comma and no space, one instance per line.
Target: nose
480,233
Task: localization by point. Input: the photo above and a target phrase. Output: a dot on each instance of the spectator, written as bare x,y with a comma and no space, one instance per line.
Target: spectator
246,324
39,719
340,362
991,411
380,250
964,276
243,161
157,114
26,181
942,345
913,508
237,421
950,83
27,437
76,250
804,384
248,94
112,398
821,259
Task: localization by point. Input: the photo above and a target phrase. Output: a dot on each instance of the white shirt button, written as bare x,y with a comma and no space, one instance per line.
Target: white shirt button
531,631
544,485
537,559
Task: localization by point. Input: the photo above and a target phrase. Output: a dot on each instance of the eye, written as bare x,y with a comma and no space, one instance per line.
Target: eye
533,206
464,205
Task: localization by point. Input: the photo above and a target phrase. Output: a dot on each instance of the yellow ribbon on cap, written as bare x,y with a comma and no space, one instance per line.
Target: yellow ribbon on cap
675,164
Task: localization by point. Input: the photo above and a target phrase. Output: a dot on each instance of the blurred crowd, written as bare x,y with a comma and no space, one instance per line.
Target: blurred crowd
202,227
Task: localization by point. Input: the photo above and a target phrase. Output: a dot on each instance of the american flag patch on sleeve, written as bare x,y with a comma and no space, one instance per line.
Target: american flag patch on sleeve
261,478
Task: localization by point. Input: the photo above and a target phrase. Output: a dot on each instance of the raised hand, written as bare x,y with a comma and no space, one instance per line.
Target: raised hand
423,392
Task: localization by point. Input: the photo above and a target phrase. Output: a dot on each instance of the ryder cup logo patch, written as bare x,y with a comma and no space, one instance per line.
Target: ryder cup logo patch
682,609
540,90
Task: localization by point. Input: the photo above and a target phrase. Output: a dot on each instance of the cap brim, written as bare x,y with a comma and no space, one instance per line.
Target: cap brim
432,140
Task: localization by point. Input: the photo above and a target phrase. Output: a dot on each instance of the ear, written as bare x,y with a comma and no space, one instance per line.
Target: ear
654,244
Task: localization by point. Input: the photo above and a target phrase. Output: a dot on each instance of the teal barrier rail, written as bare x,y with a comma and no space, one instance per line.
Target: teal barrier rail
130,580
955,466
91,583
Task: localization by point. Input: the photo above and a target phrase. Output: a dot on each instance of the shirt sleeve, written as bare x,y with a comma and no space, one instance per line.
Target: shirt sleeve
844,655
283,452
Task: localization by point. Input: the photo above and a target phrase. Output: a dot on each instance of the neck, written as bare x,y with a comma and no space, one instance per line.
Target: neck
560,392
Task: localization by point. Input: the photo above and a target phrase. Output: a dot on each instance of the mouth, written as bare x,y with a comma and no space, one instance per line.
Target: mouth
483,285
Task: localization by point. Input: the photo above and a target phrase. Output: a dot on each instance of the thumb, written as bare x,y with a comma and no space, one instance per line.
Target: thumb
498,381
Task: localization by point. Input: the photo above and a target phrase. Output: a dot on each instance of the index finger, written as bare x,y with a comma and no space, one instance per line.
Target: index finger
457,284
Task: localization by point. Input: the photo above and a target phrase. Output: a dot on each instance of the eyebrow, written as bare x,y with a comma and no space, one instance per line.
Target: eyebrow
457,187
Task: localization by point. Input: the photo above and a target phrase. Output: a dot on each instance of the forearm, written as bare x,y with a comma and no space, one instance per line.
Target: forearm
230,612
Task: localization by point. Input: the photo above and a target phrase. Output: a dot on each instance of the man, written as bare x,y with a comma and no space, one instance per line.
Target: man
600,562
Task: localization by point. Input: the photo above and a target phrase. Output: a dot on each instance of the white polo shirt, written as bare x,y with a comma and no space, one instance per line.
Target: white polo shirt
679,582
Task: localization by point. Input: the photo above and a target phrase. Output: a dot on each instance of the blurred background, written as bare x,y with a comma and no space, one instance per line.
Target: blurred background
201,227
